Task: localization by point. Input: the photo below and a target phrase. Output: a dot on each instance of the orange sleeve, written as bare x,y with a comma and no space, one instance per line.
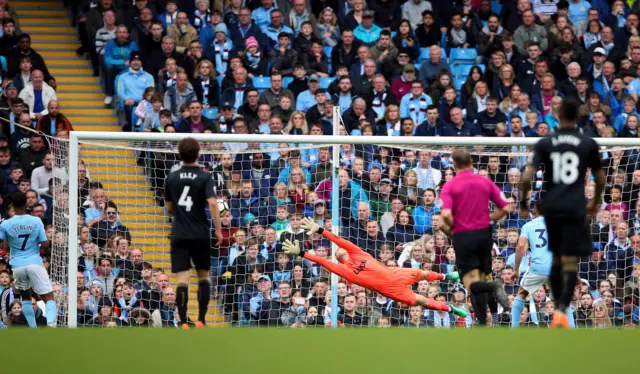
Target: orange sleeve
333,267
342,243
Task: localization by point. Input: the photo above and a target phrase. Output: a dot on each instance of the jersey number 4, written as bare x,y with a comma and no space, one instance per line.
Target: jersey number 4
185,200
565,167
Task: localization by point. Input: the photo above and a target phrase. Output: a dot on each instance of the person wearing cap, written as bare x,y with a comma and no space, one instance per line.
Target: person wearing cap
613,50
131,85
367,33
116,59
254,60
217,48
307,99
401,86
276,27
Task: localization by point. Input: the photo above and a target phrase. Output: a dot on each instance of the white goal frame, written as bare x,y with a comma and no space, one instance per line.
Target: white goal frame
76,137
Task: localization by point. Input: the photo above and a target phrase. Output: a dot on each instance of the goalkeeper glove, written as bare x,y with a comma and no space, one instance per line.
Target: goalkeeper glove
226,275
292,248
311,226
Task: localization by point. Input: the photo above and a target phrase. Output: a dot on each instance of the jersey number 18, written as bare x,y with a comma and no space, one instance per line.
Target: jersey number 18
185,200
565,167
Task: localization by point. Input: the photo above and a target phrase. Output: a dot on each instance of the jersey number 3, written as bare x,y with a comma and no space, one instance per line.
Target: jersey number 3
185,200
565,167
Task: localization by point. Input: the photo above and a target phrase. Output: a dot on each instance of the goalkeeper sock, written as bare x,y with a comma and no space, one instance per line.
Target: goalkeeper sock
52,312
516,311
492,303
433,276
29,314
204,295
182,298
435,305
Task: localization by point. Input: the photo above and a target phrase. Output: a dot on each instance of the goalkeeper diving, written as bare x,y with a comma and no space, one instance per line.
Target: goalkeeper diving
359,267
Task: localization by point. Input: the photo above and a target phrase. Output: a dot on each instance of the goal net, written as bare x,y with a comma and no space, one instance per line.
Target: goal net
115,230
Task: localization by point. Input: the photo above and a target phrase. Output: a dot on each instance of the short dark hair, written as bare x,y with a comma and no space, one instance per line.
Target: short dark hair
188,148
461,157
19,200
569,110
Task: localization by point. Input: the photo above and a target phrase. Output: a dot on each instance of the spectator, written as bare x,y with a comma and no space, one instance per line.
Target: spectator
31,157
180,93
37,95
132,84
109,226
298,15
430,69
182,33
57,121
367,33
412,11
116,59
41,175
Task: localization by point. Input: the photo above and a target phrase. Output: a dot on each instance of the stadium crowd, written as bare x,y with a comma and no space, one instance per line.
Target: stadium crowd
395,68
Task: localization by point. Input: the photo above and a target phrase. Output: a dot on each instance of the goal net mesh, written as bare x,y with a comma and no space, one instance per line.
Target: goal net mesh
388,206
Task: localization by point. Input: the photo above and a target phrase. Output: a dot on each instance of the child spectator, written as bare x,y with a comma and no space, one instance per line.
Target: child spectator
145,107
327,27
254,61
282,219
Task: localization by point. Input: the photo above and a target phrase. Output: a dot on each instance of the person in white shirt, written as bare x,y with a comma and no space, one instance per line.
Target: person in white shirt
428,177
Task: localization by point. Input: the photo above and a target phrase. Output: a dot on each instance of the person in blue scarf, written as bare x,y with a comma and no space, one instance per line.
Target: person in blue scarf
254,61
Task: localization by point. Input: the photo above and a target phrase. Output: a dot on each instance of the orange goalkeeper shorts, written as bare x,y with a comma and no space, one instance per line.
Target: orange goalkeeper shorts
398,287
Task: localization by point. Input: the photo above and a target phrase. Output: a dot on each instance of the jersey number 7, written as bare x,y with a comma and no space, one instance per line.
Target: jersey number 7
25,238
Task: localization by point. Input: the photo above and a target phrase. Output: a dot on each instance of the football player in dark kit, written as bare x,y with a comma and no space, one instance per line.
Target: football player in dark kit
566,155
188,191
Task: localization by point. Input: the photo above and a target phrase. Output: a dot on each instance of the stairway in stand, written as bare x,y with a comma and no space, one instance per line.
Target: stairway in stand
81,101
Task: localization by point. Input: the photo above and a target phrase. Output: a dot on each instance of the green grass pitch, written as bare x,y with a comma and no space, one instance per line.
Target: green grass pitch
326,351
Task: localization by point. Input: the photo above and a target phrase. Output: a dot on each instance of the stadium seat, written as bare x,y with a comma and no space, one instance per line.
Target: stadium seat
326,81
496,7
262,83
457,83
210,113
286,81
462,71
424,54
327,51
463,56
393,34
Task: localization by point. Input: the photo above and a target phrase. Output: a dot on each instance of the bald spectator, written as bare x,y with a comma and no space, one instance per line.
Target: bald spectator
166,315
53,121
37,95
156,59
101,37
430,69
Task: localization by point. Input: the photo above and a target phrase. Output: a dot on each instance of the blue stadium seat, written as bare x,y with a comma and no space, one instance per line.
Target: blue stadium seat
496,7
326,81
210,113
327,51
462,71
463,56
286,81
393,34
457,83
262,83
220,78
424,54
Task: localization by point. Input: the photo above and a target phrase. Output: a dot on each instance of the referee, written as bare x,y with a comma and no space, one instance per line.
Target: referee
465,209
188,190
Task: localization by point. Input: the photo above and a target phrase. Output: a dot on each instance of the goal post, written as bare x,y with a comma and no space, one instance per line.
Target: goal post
132,142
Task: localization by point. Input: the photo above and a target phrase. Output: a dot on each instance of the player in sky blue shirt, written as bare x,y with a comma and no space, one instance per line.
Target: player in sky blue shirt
26,235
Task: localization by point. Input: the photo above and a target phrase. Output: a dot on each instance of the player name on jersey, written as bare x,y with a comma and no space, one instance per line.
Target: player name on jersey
566,139
17,229
188,175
